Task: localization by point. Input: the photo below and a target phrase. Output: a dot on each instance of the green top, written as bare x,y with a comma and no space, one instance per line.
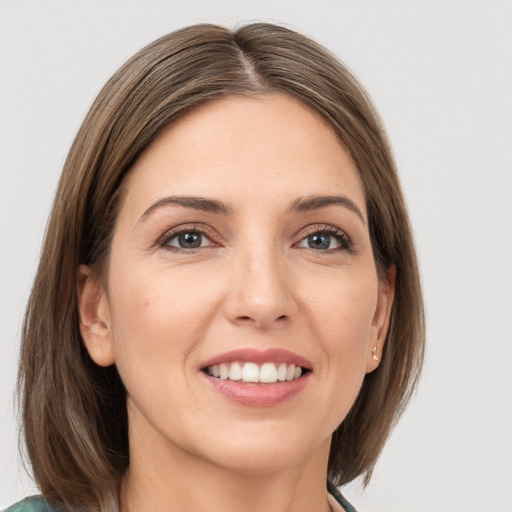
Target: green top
31,504
39,504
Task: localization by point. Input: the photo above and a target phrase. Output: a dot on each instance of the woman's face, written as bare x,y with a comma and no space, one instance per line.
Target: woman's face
241,253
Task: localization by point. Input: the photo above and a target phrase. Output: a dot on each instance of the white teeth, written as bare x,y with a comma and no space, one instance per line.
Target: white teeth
235,372
223,372
250,372
267,373
281,372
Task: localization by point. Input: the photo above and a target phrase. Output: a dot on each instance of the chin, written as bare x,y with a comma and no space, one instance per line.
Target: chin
264,456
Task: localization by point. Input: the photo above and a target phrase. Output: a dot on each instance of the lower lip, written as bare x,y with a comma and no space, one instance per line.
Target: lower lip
258,395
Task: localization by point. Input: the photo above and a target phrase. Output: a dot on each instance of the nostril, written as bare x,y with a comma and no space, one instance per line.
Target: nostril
261,322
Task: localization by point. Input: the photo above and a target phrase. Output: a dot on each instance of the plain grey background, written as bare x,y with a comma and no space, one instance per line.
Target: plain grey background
440,73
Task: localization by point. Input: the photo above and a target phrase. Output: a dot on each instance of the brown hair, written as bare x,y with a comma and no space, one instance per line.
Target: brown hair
74,412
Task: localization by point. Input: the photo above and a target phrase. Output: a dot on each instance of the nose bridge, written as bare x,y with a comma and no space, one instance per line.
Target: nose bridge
260,288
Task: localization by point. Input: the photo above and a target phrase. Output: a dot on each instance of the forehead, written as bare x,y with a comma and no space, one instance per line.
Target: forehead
273,146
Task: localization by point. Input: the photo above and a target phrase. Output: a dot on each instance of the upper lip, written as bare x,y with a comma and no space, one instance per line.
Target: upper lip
272,355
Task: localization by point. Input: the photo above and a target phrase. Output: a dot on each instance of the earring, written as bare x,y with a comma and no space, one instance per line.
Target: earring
374,354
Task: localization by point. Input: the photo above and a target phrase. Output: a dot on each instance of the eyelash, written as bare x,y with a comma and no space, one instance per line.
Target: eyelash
170,235
340,236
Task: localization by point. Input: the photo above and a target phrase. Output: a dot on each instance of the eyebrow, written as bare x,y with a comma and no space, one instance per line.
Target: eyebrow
309,203
301,204
194,202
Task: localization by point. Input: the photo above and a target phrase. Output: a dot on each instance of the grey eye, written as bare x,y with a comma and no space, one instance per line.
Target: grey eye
188,240
320,241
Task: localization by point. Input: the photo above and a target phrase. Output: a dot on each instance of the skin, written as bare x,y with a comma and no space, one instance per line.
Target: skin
253,283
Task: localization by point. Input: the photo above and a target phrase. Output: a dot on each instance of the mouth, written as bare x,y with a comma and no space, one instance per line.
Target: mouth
252,372
257,378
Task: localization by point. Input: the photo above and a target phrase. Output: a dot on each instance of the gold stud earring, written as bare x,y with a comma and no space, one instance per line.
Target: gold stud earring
374,354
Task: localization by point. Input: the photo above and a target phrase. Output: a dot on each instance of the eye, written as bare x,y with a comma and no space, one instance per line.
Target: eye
186,239
327,238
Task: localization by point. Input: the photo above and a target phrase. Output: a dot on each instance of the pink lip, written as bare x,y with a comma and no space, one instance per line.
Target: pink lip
258,395
273,355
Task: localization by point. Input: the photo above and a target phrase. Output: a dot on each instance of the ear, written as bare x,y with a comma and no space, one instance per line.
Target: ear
94,315
380,322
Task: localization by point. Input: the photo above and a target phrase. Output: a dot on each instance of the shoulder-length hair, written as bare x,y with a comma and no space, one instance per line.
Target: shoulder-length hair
74,412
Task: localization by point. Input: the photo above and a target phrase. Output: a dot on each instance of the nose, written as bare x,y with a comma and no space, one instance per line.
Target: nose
261,290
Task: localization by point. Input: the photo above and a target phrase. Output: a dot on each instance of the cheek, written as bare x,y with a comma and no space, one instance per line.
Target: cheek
156,323
347,305
343,313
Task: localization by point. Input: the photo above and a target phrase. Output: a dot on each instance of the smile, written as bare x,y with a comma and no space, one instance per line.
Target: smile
266,373
257,378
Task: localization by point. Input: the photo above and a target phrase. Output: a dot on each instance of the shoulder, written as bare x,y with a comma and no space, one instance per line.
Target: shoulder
31,504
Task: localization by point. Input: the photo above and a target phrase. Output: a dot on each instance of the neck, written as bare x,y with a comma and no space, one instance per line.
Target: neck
174,480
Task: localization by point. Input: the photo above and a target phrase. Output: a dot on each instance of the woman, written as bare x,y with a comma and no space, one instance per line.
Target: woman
227,312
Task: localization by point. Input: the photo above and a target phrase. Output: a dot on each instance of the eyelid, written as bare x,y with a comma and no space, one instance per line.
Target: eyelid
164,239
344,239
